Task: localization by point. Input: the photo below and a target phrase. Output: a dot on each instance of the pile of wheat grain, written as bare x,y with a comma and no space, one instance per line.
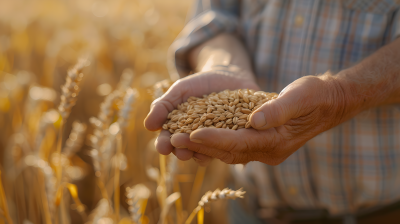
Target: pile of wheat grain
227,109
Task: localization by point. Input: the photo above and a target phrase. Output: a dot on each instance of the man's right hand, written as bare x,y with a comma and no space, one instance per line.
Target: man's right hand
197,85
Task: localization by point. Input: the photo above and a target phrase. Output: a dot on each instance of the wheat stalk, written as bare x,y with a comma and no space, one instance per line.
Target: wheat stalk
123,119
169,201
214,196
118,158
50,182
70,91
158,90
4,203
46,121
172,167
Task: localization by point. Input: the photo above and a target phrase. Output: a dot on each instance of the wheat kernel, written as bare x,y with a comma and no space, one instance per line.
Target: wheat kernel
251,105
241,122
211,116
244,116
208,122
246,111
248,125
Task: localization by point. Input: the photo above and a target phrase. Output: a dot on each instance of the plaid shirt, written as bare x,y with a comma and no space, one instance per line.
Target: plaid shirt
354,165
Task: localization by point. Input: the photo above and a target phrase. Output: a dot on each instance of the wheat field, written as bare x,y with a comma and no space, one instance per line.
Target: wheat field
76,81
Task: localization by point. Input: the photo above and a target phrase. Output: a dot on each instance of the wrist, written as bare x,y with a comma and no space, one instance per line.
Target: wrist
344,96
368,90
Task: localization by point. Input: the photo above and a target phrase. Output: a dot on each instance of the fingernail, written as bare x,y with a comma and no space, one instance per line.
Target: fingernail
182,147
153,105
196,141
196,159
258,120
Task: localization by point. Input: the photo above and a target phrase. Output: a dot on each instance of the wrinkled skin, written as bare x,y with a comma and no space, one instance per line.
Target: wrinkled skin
305,108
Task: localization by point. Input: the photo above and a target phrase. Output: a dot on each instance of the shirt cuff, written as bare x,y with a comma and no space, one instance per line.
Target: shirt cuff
198,30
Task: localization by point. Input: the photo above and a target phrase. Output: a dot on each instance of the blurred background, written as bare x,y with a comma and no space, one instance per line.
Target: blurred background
127,40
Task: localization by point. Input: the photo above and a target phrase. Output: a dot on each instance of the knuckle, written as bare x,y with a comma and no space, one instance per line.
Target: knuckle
227,146
278,111
228,158
195,149
233,158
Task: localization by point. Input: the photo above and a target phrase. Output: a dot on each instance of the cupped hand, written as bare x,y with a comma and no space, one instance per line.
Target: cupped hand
305,108
195,85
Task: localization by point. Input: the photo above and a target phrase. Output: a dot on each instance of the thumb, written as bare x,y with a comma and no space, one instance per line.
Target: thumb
275,112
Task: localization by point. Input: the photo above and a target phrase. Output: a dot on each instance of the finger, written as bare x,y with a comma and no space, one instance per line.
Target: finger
179,140
158,114
201,160
163,143
183,154
183,140
232,140
275,113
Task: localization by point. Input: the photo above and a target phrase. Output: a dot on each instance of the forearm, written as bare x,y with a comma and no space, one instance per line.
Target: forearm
224,49
374,81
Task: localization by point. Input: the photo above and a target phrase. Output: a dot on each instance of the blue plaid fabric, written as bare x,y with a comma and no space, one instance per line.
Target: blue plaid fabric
354,165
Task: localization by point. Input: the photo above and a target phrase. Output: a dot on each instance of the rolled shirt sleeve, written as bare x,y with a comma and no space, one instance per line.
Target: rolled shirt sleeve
209,19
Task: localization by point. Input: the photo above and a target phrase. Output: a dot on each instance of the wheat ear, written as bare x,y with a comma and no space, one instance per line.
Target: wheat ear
137,197
160,88
126,79
70,89
102,210
129,99
75,140
100,132
214,196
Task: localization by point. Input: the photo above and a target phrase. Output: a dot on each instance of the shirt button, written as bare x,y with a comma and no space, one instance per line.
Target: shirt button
292,191
298,21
